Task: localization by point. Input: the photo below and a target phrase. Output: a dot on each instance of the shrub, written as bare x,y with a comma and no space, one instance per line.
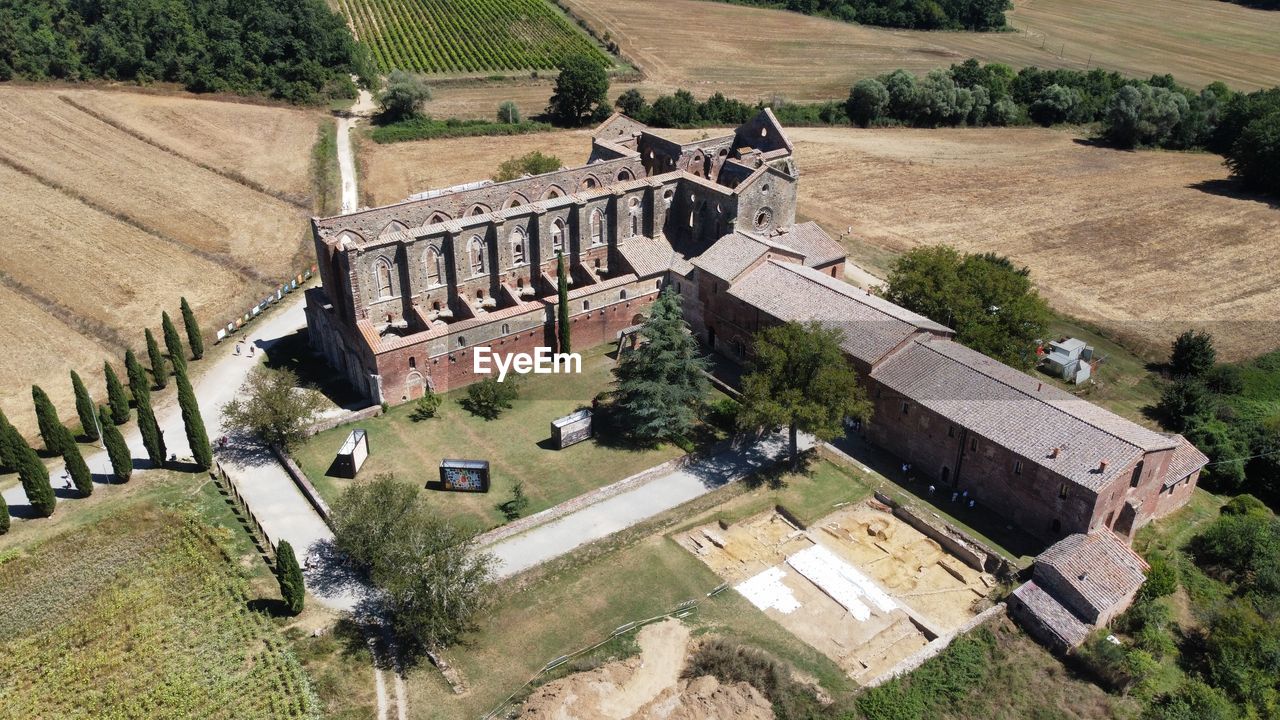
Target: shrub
1225,379
1162,578
1182,400
867,101
426,407
488,398
1055,104
732,663
1255,156
532,163
508,113
512,509
404,96
1246,505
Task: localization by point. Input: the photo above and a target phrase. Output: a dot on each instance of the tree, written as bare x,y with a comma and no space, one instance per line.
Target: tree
116,397
52,431
194,338
197,436
435,582
152,438
1254,157
117,449
84,408
289,574
1193,700
1192,355
902,87
533,163
990,303
1138,115
32,473
562,305
800,378
867,101
78,469
1055,104
661,383
8,450
4,516
632,104
426,407
404,96
581,92
159,372
488,398
1182,400
272,408
172,343
508,113
512,509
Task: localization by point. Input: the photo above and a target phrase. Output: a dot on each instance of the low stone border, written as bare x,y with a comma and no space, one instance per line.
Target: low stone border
300,479
372,411
515,527
934,647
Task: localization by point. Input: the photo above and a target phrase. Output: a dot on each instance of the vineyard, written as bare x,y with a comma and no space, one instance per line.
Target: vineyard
466,36
141,617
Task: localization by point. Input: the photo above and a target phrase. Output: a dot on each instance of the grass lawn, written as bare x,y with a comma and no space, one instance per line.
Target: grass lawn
137,609
517,445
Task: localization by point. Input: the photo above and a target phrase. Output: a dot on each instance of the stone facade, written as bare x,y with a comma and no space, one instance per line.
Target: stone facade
411,289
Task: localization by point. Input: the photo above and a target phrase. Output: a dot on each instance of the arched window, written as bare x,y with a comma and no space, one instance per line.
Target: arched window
557,235
435,266
635,225
382,278
553,192
622,294
597,227
437,217
506,329
475,251
477,210
586,304
624,175
519,241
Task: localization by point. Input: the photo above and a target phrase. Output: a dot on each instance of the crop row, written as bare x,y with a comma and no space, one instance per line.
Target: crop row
466,36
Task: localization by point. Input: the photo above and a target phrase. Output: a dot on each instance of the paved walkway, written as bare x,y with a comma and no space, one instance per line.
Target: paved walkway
545,542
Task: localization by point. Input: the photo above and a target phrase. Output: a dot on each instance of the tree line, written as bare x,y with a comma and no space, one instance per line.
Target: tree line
914,14
1127,112
294,50
99,423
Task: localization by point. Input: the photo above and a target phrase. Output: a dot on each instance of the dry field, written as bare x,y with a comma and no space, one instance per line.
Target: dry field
1142,244
116,204
754,53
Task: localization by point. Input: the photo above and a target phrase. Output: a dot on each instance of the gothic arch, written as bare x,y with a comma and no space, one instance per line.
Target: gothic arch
590,182
348,236
476,252
557,235
437,217
383,278
625,174
515,200
597,228
478,209
519,246
554,191
391,227
433,260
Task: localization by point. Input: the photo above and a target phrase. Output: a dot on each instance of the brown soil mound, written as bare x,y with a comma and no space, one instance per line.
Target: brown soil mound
647,687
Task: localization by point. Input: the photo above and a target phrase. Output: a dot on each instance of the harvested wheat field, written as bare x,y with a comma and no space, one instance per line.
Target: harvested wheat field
1143,244
117,204
754,52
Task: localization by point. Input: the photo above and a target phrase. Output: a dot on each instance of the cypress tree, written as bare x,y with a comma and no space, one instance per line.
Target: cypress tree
138,383
152,438
84,408
289,574
116,397
33,474
4,516
562,309
8,453
159,374
52,430
117,449
194,338
197,437
172,343
78,469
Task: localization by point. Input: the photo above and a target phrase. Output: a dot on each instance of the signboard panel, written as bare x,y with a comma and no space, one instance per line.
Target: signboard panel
465,475
352,454
571,429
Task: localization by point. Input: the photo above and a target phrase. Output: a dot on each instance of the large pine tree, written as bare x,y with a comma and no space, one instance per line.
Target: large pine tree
562,299
4,515
32,473
173,343
8,453
52,431
117,399
197,437
194,338
78,469
84,408
152,438
662,382
292,586
159,373
117,448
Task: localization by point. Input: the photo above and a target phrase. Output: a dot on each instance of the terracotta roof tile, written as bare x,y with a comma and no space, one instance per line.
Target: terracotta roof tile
1055,616
1099,566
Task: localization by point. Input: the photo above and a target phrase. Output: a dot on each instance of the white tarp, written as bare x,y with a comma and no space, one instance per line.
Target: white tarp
767,591
842,581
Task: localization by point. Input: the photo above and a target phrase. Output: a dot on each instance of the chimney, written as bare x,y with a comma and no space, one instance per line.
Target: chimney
1102,466
1038,386
1054,452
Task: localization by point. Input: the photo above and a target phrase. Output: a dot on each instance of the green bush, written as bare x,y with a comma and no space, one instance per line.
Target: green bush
730,662
488,398
428,129
426,407
938,684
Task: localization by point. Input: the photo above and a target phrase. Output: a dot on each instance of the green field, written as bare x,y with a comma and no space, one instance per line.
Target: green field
143,613
517,445
467,36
